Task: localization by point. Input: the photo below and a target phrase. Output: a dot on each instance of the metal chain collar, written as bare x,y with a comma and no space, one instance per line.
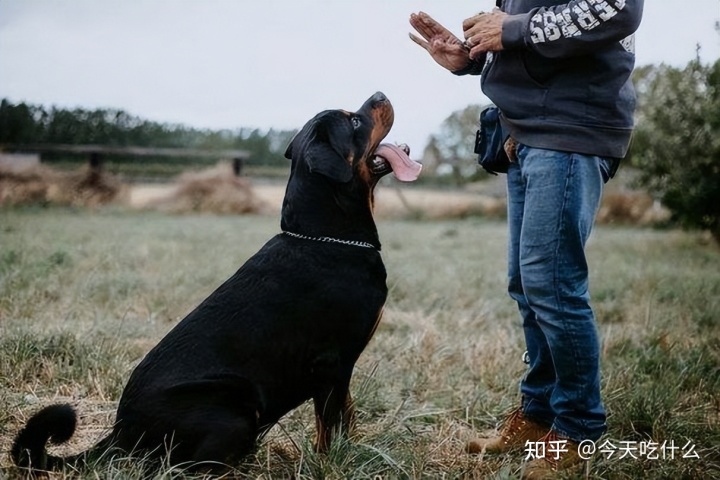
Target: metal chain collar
354,243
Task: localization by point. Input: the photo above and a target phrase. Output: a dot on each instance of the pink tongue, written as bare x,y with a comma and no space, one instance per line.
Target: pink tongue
404,168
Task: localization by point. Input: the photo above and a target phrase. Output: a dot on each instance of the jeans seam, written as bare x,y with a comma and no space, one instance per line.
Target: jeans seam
562,230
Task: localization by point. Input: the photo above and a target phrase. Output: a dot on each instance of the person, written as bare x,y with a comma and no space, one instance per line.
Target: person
559,73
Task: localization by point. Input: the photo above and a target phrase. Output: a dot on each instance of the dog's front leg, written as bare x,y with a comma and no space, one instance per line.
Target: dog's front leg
334,413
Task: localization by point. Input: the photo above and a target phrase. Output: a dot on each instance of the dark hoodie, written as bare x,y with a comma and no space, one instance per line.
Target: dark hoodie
562,80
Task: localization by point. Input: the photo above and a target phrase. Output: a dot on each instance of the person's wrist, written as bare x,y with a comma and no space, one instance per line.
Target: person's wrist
470,68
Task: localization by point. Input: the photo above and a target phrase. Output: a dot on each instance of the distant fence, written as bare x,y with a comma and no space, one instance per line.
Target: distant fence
96,153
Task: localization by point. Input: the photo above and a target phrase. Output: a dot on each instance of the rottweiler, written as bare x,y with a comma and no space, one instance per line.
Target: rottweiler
287,327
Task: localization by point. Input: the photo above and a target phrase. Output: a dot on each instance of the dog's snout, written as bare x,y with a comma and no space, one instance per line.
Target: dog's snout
379,97
380,110
377,101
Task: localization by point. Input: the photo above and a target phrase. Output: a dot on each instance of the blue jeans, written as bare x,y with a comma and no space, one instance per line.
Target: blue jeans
552,201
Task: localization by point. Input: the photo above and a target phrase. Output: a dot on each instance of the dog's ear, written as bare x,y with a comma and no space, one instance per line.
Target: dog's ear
328,149
322,158
324,145
289,149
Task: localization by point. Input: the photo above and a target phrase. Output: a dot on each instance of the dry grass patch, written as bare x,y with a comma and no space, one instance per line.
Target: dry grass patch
214,190
631,207
40,184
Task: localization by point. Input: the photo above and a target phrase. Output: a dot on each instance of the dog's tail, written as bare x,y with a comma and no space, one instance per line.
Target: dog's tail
56,424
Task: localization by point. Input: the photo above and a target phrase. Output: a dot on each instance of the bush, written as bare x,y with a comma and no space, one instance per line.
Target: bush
677,142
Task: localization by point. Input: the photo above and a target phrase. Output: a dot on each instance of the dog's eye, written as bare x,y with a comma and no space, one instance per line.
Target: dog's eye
355,122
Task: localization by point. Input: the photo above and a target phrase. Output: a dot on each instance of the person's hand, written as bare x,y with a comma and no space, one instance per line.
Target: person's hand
483,32
444,47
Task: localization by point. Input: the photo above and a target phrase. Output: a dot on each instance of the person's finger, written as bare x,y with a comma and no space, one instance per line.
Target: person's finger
431,26
419,41
425,28
471,22
420,26
477,51
482,48
475,30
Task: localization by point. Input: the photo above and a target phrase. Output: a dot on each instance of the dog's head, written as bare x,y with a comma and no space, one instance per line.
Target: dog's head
343,146
337,160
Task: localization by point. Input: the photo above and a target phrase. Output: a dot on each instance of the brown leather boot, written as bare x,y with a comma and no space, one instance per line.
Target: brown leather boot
558,454
516,430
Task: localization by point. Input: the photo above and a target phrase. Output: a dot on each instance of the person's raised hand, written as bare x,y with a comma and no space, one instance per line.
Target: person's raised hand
483,32
442,45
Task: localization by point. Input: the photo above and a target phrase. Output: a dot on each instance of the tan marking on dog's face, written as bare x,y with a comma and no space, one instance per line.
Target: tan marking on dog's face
382,117
363,169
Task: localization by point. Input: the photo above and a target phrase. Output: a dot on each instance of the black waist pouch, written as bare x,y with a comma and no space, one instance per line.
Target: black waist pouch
490,141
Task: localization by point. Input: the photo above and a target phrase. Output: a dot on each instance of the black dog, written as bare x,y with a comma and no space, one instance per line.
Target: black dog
288,326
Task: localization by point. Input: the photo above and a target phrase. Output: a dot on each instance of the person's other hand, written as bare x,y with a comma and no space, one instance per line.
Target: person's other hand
444,47
483,32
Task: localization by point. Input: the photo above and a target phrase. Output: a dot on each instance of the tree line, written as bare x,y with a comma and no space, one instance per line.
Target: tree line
24,124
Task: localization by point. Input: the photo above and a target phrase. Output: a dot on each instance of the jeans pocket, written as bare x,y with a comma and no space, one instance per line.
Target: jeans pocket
608,167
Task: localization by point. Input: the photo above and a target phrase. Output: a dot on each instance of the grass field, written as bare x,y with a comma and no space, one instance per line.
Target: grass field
84,295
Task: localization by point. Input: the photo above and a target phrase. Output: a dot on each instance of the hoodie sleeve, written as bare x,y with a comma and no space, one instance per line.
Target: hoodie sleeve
573,28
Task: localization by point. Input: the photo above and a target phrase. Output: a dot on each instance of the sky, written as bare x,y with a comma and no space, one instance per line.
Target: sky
271,63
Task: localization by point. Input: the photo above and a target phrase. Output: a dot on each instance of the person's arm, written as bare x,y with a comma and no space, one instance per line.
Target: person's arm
566,30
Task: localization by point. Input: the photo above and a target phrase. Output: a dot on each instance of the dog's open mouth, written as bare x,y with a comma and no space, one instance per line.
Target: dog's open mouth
397,159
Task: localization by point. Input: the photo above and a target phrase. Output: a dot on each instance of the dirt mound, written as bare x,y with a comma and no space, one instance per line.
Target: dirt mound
215,190
40,184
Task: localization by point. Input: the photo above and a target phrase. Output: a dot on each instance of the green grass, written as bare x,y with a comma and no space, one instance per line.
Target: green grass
84,295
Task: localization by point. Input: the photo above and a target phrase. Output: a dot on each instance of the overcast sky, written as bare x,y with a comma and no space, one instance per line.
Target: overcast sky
270,63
